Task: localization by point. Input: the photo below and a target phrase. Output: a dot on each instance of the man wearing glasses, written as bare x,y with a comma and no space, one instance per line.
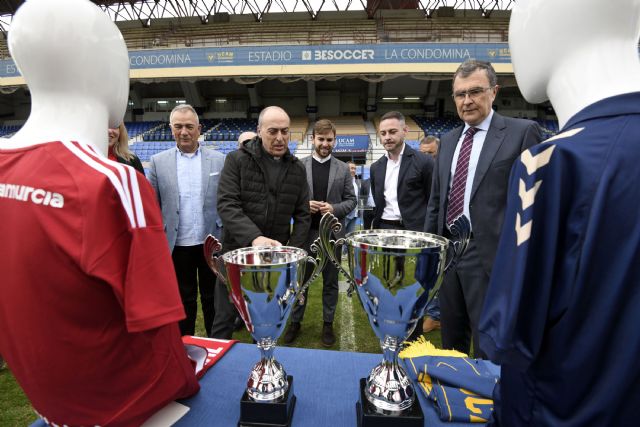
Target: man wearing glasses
471,178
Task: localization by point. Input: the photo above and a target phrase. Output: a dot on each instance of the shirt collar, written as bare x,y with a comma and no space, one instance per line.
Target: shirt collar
320,160
194,154
404,145
484,125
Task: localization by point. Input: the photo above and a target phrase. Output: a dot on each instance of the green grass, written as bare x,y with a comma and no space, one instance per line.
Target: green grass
15,409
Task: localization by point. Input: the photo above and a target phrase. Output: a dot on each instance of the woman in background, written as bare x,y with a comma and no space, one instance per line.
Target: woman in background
119,148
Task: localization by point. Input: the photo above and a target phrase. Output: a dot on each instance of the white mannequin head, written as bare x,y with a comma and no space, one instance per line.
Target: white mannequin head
575,52
76,65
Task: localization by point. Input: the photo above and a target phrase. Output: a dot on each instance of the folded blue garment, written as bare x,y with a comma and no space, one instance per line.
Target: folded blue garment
460,388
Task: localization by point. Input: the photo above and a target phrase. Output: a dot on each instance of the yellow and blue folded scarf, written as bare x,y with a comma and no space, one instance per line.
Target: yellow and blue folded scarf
460,388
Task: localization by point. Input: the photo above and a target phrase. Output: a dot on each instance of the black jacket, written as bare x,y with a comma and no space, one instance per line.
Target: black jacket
243,202
134,162
414,187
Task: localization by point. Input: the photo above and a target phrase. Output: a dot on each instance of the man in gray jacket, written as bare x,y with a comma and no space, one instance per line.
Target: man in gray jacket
331,190
185,179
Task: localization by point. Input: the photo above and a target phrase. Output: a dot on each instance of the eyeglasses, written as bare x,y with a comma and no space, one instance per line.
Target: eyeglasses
473,93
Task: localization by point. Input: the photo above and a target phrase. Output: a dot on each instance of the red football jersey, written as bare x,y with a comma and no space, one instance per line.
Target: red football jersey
89,299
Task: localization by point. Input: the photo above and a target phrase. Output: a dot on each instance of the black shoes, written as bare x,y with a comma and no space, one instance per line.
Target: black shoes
328,338
292,333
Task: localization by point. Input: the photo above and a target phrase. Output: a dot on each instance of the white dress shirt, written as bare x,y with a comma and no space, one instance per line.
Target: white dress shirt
476,149
320,159
391,211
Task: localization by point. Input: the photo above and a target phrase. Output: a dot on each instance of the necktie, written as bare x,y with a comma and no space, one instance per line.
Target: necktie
456,194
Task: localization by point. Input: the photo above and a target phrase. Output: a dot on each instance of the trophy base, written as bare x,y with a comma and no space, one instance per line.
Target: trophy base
268,414
370,416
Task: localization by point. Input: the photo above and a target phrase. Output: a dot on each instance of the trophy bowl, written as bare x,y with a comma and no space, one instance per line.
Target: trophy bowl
264,283
395,274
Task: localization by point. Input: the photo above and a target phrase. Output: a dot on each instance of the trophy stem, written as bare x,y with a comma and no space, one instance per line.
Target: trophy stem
388,387
268,379
390,349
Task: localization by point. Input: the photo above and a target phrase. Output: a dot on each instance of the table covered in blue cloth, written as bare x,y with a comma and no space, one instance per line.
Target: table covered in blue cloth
325,384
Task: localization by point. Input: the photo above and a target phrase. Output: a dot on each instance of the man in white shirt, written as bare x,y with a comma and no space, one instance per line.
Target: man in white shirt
400,180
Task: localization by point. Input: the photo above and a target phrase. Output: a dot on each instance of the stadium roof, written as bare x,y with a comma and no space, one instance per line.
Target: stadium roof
145,10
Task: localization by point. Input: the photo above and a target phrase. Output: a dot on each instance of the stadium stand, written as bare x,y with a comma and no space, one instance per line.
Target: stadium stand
447,30
249,32
436,127
134,129
348,125
229,129
345,28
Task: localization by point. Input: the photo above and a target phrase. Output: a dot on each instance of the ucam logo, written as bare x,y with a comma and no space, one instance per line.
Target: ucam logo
339,54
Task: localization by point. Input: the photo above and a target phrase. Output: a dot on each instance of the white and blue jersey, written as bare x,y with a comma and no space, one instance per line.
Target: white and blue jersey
562,312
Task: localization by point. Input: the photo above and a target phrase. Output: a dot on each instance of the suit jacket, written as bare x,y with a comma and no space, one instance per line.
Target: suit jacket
340,192
414,186
506,139
163,175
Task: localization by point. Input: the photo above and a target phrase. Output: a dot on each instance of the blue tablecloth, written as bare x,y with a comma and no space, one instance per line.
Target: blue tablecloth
325,385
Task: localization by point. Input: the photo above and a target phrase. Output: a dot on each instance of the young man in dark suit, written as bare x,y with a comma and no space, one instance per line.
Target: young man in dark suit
400,180
400,183
331,190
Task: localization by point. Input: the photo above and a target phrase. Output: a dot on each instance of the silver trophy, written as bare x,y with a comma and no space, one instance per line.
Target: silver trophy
395,273
264,284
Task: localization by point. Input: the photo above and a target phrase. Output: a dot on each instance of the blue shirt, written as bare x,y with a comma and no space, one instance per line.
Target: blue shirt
191,230
562,312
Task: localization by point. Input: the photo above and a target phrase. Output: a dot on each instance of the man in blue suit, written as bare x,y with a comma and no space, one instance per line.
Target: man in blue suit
185,179
471,178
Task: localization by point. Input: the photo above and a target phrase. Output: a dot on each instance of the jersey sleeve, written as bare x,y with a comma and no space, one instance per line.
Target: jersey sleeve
521,299
125,245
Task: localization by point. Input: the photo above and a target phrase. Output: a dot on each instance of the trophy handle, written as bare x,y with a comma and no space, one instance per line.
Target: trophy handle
318,262
461,233
328,224
215,263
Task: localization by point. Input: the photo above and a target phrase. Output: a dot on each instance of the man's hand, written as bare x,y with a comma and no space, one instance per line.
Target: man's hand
265,241
325,207
314,206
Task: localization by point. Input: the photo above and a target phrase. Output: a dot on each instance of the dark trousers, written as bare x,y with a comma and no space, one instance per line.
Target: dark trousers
461,300
329,286
225,314
193,273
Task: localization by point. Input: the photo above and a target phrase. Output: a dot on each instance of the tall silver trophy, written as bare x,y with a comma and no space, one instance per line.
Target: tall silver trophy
264,283
395,273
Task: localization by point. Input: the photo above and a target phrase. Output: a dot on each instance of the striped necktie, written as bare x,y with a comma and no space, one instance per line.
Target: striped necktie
456,194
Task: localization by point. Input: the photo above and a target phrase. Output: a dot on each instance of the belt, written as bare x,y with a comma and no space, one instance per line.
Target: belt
397,222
